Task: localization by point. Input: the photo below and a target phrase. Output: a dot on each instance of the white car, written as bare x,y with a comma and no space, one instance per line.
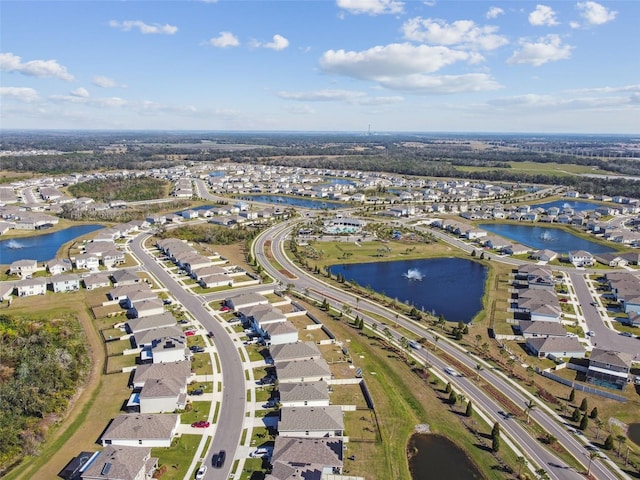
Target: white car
200,473
452,371
260,452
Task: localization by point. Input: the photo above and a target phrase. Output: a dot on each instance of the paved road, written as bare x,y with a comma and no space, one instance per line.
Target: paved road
604,337
232,408
533,449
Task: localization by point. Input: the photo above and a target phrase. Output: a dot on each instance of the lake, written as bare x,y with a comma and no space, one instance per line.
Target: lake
540,238
41,247
452,287
634,433
436,457
295,201
576,206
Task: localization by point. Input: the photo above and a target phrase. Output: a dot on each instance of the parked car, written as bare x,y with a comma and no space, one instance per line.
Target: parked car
626,334
196,391
260,452
190,333
167,301
201,424
201,472
225,309
196,348
218,460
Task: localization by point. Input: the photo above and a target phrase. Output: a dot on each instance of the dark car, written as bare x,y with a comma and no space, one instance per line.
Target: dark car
218,460
196,391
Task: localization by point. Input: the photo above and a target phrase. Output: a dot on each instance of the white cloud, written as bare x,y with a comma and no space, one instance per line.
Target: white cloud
322,95
278,43
80,92
371,7
224,40
560,102
85,100
105,82
419,84
494,12
462,32
546,49
624,88
594,13
23,94
144,28
543,15
347,96
34,68
396,59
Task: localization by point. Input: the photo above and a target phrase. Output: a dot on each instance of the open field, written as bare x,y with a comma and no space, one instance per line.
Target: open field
554,169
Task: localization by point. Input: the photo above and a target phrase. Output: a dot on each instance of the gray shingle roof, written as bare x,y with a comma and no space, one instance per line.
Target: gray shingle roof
294,351
125,463
301,391
302,368
302,419
141,426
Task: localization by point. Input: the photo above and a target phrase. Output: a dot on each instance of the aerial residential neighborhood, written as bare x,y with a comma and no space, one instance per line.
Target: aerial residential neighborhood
224,354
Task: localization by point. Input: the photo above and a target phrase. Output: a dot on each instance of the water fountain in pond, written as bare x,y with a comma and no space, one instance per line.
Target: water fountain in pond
546,236
13,244
413,274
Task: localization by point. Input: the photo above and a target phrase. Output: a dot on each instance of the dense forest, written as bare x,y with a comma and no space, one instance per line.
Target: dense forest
42,363
126,189
212,234
435,155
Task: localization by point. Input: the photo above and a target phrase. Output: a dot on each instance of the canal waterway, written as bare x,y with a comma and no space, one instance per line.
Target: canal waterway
452,287
436,457
41,247
634,433
540,238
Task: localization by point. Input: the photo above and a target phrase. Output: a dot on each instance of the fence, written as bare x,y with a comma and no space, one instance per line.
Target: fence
582,388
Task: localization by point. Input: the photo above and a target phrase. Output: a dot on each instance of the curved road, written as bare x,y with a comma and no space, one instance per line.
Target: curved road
548,420
232,409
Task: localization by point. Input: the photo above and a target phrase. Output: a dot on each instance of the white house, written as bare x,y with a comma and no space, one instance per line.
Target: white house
32,286
280,332
581,258
141,430
65,283
23,268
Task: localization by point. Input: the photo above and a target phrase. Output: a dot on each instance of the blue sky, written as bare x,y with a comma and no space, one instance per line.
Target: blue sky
325,65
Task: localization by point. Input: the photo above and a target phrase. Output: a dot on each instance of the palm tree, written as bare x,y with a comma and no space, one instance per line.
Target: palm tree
529,407
436,338
479,368
478,338
599,425
621,439
542,474
592,454
521,462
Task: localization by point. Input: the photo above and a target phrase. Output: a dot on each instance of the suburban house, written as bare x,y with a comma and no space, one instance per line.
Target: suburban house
534,276
581,258
611,260
138,430
147,338
86,261
304,394
308,370
609,369
65,282
625,288
555,347
59,265
140,324
125,292
294,351
23,268
124,277
246,300
213,281
633,319
537,305
146,307
280,332
529,329
311,421
96,280
209,270
261,316
159,395
305,458
118,463
31,286
544,255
